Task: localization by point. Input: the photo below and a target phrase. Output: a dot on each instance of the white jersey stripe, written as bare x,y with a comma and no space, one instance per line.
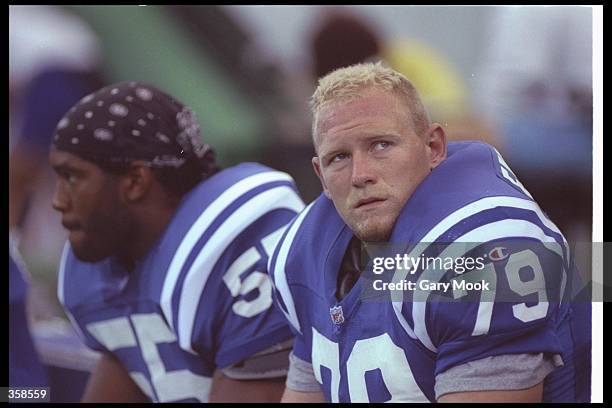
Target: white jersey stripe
60,289
280,275
61,274
489,232
459,215
200,270
509,175
208,216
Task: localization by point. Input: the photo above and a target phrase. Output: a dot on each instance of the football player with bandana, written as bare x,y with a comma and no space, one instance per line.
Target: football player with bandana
164,271
388,176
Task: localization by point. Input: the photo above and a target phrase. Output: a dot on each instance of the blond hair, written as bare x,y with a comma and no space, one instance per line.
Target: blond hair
349,83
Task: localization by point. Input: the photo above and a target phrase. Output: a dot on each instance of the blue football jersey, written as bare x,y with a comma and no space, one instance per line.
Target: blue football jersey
379,351
201,298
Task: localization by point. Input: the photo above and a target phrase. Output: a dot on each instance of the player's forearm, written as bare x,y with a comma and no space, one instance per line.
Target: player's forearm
533,394
225,389
296,396
110,382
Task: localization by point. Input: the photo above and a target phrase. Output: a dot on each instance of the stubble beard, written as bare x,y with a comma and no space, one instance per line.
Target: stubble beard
373,229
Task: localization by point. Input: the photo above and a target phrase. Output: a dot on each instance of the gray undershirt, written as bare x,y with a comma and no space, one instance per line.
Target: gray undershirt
503,372
301,377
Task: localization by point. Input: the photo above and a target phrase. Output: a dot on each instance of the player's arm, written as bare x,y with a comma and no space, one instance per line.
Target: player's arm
257,378
297,396
301,385
110,382
226,389
533,394
506,356
502,378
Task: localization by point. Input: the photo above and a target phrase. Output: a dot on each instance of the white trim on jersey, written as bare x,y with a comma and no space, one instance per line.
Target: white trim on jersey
488,232
200,270
60,289
18,259
208,216
507,172
280,276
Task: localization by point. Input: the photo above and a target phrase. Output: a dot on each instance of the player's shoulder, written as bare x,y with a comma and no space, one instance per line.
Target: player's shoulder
231,211
298,260
472,170
474,206
246,188
306,243
240,179
474,186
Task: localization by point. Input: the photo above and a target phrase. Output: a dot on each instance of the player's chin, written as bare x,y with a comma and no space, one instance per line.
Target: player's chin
86,252
373,228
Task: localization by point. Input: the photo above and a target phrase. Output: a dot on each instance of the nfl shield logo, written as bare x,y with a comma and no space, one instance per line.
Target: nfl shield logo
336,314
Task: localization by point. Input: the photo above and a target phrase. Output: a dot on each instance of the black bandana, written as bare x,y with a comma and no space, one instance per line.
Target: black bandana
133,121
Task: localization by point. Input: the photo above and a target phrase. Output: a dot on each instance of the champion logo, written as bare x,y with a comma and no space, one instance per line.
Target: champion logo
498,254
336,315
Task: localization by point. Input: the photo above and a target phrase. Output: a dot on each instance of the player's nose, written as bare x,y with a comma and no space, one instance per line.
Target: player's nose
363,170
60,201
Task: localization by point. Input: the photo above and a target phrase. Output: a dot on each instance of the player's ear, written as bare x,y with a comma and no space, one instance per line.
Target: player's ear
316,164
136,181
435,140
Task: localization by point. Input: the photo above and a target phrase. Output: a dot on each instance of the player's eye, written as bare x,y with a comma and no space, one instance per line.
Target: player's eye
381,145
67,176
338,158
